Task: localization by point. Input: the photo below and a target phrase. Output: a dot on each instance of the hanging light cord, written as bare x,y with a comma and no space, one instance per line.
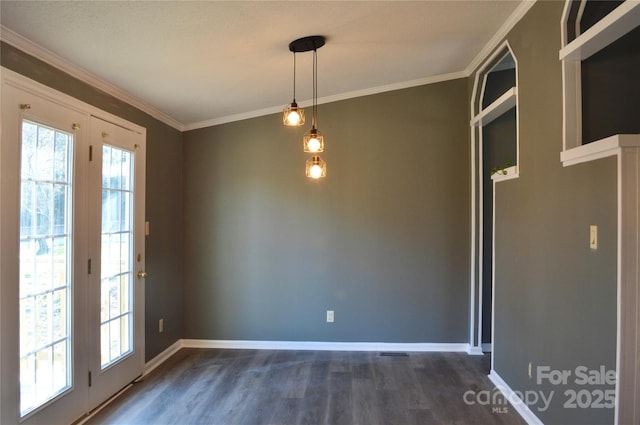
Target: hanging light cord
315,87
294,77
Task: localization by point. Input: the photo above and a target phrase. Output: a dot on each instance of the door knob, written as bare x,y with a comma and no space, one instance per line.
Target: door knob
142,275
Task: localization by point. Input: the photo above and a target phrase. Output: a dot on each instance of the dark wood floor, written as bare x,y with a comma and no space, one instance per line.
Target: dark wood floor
248,387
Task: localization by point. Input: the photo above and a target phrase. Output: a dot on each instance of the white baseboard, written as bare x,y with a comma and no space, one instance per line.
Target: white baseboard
487,347
474,350
509,394
324,346
306,345
162,357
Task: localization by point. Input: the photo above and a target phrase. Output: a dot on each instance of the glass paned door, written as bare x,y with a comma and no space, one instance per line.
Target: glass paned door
116,205
62,215
46,193
117,274
43,282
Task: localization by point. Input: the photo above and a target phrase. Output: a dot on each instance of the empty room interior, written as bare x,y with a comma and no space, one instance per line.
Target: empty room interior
320,212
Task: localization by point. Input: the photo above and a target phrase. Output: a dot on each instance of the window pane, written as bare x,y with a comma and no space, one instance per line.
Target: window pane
60,154
27,383
114,297
105,358
59,366
106,164
125,246
59,314
124,333
106,217
59,208
104,301
27,326
124,294
29,135
127,170
114,339
44,374
44,265
27,267
43,210
43,320
60,255
44,154
27,208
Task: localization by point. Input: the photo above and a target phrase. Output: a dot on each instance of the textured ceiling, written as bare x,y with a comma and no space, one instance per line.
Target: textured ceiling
212,60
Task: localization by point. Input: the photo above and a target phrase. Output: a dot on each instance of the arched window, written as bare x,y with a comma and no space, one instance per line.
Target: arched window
494,110
600,66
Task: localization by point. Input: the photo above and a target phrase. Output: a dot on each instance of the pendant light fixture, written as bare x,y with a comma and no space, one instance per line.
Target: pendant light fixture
313,141
293,115
316,167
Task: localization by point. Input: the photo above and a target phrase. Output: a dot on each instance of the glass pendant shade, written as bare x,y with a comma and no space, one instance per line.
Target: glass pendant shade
313,141
293,115
316,167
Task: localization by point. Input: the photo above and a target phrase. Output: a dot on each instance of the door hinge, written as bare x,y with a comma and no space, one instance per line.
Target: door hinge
89,378
89,266
90,153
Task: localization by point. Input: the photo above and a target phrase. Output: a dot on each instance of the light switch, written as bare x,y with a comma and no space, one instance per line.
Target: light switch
330,316
593,237
146,228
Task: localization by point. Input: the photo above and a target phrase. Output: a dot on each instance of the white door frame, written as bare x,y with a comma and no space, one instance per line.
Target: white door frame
477,202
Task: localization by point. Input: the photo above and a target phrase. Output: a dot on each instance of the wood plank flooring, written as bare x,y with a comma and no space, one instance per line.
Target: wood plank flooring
250,387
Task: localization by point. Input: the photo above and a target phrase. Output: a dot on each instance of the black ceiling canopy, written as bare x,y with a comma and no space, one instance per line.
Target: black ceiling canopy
306,44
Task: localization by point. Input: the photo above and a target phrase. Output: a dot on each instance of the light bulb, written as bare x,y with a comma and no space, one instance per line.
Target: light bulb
315,171
292,115
313,145
293,118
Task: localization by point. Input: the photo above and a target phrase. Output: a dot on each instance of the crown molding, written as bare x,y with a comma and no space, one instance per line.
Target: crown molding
327,99
393,87
238,117
29,47
497,38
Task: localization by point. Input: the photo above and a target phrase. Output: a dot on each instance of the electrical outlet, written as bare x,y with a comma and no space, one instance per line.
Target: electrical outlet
593,237
161,325
329,316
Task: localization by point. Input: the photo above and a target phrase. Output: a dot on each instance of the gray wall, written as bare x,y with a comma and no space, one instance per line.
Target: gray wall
383,240
163,297
555,298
